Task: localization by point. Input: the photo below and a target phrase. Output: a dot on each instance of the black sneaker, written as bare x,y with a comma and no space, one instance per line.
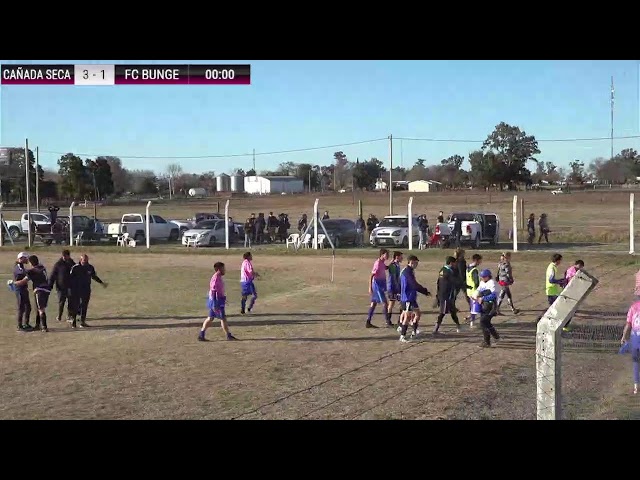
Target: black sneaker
484,345
36,328
73,324
202,339
20,329
45,330
58,319
231,337
390,325
27,327
370,325
84,325
241,312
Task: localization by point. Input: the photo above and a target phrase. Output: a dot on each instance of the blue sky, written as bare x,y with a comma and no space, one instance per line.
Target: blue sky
299,104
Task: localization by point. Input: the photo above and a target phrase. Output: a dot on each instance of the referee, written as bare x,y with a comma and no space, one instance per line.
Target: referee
80,276
61,278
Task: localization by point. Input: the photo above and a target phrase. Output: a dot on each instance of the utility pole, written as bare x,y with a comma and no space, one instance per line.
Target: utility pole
254,159
612,96
37,182
26,178
391,175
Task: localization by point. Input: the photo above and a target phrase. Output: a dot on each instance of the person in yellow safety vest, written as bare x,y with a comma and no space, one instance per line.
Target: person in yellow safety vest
554,281
473,281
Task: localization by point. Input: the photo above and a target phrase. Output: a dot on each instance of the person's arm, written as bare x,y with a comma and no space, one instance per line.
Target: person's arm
476,279
625,333
24,281
95,277
554,280
489,295
416,286
53,276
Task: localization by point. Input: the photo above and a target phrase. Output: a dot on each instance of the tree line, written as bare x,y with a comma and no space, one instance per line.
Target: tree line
502,161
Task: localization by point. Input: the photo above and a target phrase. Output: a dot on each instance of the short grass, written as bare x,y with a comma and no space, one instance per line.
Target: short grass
303,354
581,217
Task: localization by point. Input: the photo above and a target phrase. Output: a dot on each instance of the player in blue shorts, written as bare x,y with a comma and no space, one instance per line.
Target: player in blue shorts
216,303
409,289
393,286
247,287
378,286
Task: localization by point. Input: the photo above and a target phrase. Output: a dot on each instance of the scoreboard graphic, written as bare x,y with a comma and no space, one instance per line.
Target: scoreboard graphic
97,74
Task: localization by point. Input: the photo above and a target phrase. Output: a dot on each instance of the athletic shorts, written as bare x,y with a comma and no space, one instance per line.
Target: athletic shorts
474,307
447,306
410,306
378,288
212,313
393,294
504,284
42,299
247,289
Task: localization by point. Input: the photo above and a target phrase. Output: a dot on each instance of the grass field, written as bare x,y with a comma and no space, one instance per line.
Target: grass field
304,353
587,217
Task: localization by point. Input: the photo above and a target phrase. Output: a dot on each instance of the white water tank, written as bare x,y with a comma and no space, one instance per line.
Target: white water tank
223,183
197,192
237,183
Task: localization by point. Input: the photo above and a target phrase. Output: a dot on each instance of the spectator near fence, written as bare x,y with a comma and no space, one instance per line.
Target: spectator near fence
360,228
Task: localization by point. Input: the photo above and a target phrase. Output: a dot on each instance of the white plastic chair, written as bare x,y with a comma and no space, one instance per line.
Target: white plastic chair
306,242
293,239
192,242
78,239
321,237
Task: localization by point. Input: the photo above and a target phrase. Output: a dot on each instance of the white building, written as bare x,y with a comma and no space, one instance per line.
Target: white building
267,185
423,186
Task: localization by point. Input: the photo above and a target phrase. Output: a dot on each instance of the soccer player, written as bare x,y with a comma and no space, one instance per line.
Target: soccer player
631,334
60,277
571,272
38,276
247,287
378,285
393,286
216,303
472,283
505,279
487,296
409,289
447,284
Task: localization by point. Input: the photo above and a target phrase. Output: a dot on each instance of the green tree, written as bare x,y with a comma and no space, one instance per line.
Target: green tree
100,177
513,148
303,170
577,172
73,176
485,167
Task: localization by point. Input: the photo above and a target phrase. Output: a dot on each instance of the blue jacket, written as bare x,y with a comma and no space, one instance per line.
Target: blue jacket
409,286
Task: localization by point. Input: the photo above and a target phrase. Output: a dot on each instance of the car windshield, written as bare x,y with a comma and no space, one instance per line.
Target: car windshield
464,217
206,225
394,222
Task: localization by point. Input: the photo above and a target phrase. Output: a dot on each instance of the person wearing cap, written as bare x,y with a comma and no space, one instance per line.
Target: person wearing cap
487,296
22,292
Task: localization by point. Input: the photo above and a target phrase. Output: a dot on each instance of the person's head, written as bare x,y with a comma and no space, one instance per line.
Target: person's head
450,261
579,264
253,215
485,275
66,255
413,261
84,259
247,256
34,261
326,212
384,254
441,213
532,216
506,256
23,257
459,253
477,259
218,267
397,256
556,258
271,214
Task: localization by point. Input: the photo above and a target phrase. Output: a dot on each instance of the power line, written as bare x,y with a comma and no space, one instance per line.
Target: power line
452,140
164,157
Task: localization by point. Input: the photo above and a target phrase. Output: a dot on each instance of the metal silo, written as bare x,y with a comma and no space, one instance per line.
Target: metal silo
223,183
237,183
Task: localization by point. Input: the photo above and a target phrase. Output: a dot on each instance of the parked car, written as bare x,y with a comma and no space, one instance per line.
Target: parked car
135,225
18,228
394,230
476,228
211,232
341,231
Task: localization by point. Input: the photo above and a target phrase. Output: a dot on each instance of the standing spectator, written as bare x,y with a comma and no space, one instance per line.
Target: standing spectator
372,221
360,228
53,214
81,275
61,278
531,228
457,231
440,216
303,223
423,231
283,227
252,219
325,216
259,227
272,226
248,232
543,223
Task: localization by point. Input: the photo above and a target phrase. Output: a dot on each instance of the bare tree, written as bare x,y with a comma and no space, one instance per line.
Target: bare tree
173,171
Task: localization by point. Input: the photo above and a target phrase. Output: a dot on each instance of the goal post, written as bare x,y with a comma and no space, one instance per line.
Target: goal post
549,344
632,229
514,226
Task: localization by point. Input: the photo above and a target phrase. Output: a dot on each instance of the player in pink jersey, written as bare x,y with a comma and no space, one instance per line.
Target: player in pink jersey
378,287
215,303
631,334
247,287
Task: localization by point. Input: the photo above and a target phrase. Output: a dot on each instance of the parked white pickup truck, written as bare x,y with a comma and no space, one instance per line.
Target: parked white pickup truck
135,225
21,227
476,228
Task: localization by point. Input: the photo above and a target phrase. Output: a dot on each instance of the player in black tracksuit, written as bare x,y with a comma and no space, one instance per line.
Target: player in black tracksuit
60,277
448,283
80,279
